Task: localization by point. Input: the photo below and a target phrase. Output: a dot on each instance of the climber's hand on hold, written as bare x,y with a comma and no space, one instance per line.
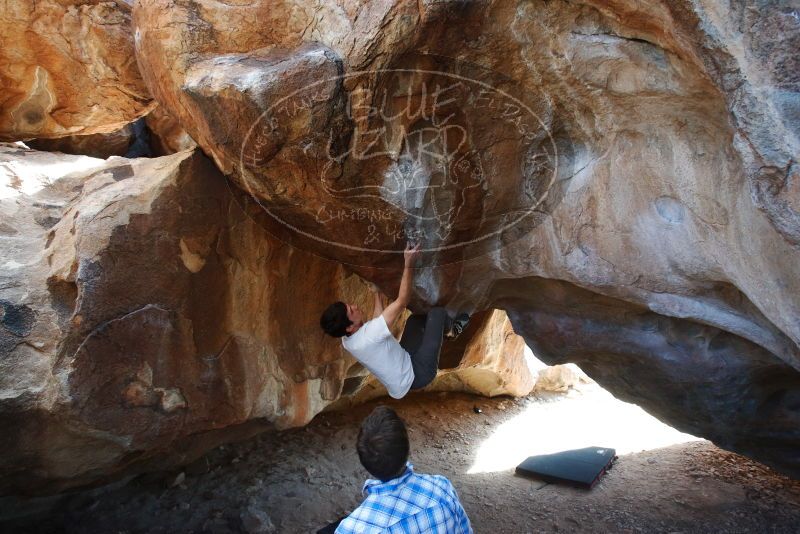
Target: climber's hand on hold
410,254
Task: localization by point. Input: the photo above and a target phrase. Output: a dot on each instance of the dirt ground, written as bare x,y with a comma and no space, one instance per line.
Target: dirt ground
302,479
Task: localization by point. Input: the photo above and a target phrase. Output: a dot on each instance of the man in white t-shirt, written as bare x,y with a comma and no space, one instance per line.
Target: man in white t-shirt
401,366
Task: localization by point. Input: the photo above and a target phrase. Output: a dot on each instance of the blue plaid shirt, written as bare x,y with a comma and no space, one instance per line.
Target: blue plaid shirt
410,503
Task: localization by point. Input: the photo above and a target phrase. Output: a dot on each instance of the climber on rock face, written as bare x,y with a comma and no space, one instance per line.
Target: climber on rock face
401,366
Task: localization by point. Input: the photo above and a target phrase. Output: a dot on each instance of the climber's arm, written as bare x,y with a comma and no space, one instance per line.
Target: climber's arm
393,310
377,307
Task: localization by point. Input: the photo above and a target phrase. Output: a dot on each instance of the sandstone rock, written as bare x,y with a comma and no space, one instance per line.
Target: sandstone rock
559,378
142,305
97,145
166,135
493,362
148,316
66,69
620,177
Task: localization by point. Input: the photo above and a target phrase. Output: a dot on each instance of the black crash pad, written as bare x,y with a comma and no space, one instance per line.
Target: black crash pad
580,467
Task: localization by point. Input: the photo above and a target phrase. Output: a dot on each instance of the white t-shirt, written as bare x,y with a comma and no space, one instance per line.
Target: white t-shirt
378,350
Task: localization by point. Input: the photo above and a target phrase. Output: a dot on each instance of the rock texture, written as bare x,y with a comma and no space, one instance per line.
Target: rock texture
66,68
166,134
620,176
97,145
560,379
492,363
146,315
141,305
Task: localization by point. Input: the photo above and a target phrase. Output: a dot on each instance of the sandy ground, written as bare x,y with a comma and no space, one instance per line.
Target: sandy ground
302,479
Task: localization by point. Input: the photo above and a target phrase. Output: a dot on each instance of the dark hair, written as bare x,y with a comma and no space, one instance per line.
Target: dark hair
334,320
383,444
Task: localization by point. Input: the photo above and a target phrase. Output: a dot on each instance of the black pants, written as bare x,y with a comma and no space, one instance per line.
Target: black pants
422,339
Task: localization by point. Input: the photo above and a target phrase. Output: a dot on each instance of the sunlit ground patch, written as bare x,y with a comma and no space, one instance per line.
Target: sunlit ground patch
589,416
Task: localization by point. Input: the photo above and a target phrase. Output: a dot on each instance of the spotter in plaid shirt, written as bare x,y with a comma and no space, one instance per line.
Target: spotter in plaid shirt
410,503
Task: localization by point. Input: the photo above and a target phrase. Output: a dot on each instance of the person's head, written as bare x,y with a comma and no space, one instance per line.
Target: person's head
340,319
383,444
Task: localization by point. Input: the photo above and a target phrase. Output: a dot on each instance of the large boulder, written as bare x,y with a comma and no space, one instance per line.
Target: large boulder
141,305
620,177
66,68
492,362
146,315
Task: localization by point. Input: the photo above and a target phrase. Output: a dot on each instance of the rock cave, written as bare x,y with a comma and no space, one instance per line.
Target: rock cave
187,183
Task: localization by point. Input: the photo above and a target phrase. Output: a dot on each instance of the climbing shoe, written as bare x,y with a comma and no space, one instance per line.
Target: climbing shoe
457,326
